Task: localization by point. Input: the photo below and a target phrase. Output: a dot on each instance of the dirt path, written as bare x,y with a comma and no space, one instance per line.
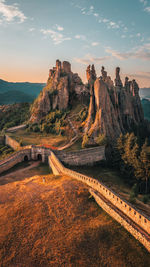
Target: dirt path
20,173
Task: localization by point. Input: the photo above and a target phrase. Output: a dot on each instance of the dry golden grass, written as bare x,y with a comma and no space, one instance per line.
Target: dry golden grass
56,224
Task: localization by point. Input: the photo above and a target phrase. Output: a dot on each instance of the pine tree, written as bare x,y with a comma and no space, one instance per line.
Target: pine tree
142,170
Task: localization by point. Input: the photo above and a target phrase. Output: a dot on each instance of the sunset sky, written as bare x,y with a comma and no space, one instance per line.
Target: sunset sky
34,33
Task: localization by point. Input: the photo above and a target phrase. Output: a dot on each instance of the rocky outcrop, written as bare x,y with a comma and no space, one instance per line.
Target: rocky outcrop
113,109
62,87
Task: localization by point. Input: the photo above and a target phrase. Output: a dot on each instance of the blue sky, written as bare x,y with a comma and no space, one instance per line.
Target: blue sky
34,33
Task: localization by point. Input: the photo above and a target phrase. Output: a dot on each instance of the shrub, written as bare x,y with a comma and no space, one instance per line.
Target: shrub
101,140
145,199
85,141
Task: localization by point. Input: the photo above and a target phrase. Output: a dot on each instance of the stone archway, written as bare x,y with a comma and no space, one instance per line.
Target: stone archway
26,158
39,157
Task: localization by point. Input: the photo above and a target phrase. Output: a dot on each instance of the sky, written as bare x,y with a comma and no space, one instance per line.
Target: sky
34,33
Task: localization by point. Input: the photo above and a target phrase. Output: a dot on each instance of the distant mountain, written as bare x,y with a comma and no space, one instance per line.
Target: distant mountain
11,97
146,108
32,89
145,93
19,92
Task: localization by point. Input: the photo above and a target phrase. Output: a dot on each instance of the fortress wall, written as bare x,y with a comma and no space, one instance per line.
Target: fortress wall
81,157
2,140
11,161
137,216
124,222
16,128
12,143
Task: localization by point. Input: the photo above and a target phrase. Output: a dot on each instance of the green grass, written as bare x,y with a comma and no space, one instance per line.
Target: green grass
31,138
76,146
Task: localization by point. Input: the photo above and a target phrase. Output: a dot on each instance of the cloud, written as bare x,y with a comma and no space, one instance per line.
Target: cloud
142,52
95,44
141,75
81,37
57,37
11,12
59,28
31,29
113,25
144,2
147,9
90,59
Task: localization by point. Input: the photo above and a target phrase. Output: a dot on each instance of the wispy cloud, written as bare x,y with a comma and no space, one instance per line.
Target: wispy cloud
147,9
81,37
144,2
31,29
146,5
57,37
10,13
90,59
95,44
142,52
59,28
141,75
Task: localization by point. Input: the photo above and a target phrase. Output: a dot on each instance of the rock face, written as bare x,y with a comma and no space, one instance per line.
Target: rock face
62,86
113,109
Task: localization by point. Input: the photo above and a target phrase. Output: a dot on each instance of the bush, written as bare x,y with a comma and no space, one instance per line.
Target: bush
101,140
85,141
145,199
135,190
132,198
21,142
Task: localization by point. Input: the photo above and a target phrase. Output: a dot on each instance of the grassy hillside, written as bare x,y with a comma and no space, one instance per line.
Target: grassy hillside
11,97
145,92
13,115
32,89
57,224
146,108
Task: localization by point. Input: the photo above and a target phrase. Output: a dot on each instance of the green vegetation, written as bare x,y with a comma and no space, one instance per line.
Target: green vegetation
37,138
15,115
134,161
85,141
5,151
53,123
146,108
82,115
101,140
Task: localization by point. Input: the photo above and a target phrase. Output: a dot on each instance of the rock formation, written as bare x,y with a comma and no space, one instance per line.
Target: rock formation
113,109
62,86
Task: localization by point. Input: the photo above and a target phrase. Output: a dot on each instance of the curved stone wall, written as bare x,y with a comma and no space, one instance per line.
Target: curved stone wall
134,214
15,158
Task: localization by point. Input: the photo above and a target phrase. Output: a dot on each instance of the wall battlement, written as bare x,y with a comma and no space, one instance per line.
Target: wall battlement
141,220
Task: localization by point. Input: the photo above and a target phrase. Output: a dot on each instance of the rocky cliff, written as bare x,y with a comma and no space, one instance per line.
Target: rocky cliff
62,87
114,108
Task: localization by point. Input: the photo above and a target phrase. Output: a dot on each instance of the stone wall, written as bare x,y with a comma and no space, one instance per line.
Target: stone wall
123,221
15,158
12,143
88,156
16,128
41,151
134,214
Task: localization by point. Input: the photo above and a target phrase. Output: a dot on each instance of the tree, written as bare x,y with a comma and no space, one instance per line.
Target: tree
143,170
